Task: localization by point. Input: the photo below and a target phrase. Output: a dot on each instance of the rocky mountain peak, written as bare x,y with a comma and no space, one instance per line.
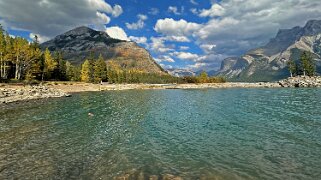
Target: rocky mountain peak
269,62
312,27
83,42
79,31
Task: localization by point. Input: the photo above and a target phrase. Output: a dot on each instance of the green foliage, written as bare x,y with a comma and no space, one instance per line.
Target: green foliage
60,71
100,70
24,61
292,67
203,78
305,66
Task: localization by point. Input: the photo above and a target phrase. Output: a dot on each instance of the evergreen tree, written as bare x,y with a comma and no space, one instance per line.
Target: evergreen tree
86,72
100,70
307,64
60,70
69,71
292,67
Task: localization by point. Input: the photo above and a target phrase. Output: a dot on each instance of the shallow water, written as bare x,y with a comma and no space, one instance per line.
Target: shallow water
213,134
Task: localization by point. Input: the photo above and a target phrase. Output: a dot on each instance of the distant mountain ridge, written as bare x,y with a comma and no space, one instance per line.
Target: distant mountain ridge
269,62
83,42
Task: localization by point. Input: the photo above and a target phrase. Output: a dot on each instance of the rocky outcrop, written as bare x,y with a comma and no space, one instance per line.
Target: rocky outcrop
269,62
81,43
8,95
301,81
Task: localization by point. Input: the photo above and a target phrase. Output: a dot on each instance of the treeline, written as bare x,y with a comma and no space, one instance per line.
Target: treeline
21,60
305,66
203,78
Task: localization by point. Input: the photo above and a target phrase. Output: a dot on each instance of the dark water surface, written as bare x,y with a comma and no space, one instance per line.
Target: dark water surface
209,134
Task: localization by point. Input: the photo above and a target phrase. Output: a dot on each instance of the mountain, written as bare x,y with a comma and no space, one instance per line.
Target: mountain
181,72
83,42
269,62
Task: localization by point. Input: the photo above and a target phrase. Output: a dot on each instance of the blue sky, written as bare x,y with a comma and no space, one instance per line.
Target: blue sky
190,34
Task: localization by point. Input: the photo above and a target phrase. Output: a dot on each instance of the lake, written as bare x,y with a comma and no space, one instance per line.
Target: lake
194,134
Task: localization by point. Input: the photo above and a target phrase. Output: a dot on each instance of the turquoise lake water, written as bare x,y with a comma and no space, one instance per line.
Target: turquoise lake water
194,134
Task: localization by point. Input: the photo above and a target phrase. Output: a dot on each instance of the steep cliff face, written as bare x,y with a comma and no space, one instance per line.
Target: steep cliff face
269,62
83,42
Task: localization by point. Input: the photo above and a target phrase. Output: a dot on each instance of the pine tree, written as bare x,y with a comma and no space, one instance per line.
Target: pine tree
60,70
307,64
292,67
100,70
69,71
86,72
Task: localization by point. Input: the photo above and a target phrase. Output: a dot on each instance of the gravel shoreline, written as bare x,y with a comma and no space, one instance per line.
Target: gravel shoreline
83,87
15,93
9,93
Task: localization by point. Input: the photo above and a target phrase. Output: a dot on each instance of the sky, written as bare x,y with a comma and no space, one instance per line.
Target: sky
187,34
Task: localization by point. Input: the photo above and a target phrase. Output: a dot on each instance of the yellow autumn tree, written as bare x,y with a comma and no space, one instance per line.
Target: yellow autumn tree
86,72
49,65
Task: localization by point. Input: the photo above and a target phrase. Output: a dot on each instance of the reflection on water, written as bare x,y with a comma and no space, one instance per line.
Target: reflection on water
194,134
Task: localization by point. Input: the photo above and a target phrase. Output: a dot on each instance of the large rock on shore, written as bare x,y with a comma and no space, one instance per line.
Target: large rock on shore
8,95
301,81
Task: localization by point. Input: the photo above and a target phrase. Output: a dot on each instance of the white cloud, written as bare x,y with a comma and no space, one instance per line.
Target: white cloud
171,27
207,48
117,33
215,10
194,11
158,45
207,62
139,24
118,10
142,17
102,18
139,40
185,56
166,66
100,5
246,24
193,2
177,38
153,11
184,48
50,18
175,10
41,39
164,58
